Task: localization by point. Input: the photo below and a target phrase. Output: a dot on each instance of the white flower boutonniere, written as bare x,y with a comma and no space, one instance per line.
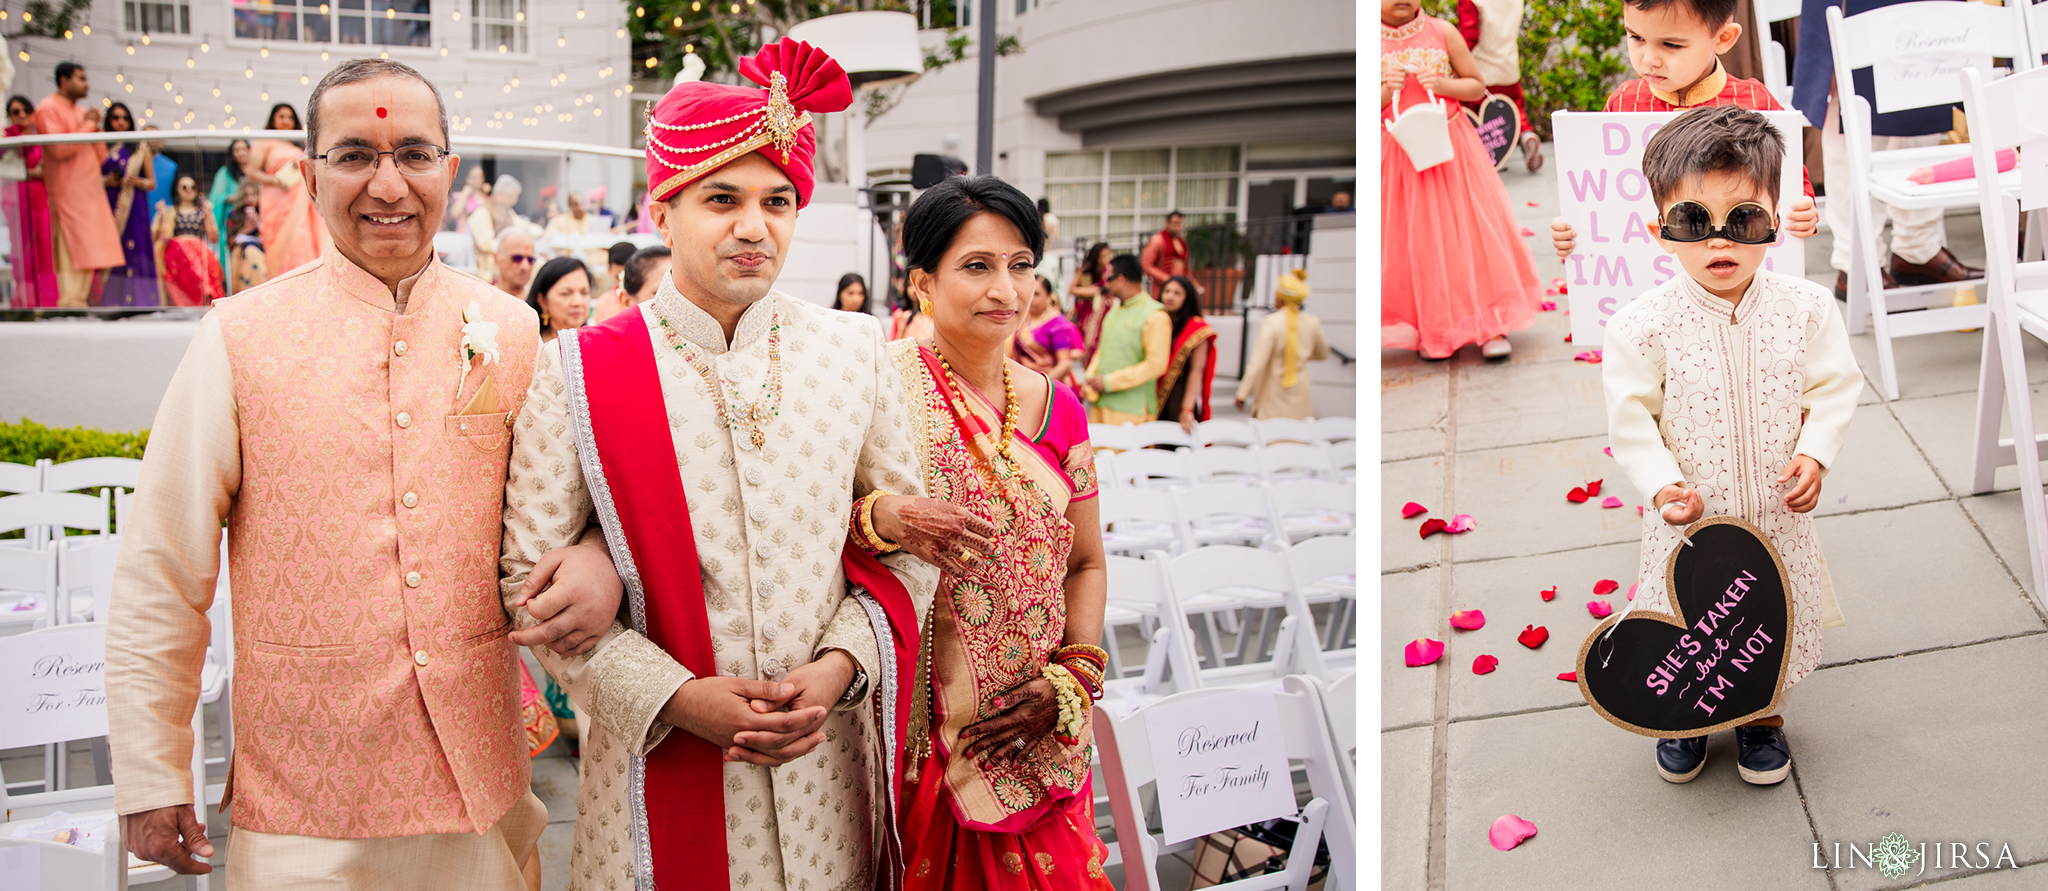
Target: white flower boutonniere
479,337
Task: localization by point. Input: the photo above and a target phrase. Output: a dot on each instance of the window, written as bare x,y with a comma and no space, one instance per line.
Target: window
378,22
498,25
145,17
1122,196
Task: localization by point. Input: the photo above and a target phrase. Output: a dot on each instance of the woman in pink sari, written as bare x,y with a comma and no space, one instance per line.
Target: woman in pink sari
27,205
293,234
997,793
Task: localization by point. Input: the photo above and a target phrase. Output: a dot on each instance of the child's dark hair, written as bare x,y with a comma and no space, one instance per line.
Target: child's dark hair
1721,139
1714,13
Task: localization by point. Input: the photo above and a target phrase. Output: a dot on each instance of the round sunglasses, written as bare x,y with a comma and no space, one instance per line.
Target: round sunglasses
1746,223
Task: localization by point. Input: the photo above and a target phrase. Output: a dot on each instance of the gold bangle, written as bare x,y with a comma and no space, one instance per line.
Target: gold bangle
875,540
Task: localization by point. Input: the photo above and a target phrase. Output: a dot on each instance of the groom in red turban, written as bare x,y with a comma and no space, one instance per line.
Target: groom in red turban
719,434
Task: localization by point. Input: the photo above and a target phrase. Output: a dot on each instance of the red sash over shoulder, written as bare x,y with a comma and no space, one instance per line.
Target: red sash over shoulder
684,792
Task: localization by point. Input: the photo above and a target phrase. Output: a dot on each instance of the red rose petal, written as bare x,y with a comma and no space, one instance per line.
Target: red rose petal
1422,651
1432,526
1611,502
1550,593
1509,831
1572,676
1468,620
1534,204
1604,587
1599,609
1567,338
1576,496
1593,488
1411,509
1484,665
1533,636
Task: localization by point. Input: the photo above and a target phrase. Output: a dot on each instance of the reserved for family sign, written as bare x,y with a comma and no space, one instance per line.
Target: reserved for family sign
1220,763
1604,196
53,686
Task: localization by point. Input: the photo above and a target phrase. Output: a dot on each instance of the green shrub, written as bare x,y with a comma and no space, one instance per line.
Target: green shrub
28,441
1572,55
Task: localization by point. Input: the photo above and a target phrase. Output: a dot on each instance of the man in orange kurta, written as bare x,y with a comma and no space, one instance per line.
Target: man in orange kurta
84,234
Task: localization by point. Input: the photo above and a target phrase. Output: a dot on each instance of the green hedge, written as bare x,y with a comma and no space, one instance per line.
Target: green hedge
1572,54
28,441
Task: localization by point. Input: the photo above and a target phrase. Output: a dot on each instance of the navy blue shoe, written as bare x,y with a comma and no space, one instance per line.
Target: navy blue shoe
1679,760
1762,755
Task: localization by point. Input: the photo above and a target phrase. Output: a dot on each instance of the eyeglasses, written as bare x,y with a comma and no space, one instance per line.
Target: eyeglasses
522,258
411,160
1746,223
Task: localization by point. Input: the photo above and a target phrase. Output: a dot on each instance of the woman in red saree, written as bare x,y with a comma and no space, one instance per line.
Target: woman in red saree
998,794
1090,301
27,206
1191,365
186,235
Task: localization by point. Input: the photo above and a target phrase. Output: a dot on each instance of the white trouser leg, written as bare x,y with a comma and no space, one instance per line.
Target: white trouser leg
1917,235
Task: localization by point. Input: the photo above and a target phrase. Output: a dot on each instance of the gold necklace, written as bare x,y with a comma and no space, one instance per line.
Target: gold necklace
756,414
1009,404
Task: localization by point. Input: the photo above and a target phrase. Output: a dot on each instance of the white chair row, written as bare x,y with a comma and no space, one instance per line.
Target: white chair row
1222,432
44,519
70,476
1284,461
1177,520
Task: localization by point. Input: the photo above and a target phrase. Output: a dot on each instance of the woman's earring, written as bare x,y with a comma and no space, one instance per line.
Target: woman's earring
544,318
924,305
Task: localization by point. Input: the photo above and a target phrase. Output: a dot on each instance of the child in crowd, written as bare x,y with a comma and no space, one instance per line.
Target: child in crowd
1728,390
1675,46
1493,31
1454,269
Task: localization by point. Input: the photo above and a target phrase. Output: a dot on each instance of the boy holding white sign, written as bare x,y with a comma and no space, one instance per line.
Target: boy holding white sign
1675,48
1729,389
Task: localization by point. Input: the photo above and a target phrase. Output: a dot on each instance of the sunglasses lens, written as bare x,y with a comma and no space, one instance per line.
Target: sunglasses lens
1749,224
1687,221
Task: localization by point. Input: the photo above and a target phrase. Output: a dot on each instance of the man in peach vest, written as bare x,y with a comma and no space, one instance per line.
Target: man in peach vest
350,422
86,240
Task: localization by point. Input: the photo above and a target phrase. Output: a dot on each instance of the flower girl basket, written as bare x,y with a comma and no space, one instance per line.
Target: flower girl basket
1423,131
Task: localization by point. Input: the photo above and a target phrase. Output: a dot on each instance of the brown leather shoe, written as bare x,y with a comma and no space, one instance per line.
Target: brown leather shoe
1943,268
1842,283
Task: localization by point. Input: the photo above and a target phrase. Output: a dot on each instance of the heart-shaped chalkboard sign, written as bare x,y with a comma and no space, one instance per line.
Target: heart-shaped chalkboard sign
1498,123
1718,660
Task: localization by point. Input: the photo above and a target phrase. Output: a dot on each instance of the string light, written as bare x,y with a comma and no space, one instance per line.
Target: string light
189,62
204,46
501,47
519,16
265,96
391,12
677,22
579,13
650,61
639,12
145,35
86,29
596,112
561,38
249,72
149,110
131,44
621,32
444,49
67,33
458,15
303,79
216,89
515,81
264,52
120,76
323,55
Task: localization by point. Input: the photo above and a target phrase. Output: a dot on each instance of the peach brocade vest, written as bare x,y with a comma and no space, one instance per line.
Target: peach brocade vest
375,691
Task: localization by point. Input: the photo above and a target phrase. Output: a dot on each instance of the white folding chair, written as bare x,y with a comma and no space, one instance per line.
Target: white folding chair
63,867
1881,176
1307,508
1290,460
1105,471
1153,467
1336,429
1328,769
16,478
1344,458
97,800
1140,586
90,473
1138,520
28,588
2036,15
1226,432
1223,513
1160,433
43,517
1340,706
1111,437
1220,464
85,576
2018,302
1326,568
1126,751
1260,579
1288,430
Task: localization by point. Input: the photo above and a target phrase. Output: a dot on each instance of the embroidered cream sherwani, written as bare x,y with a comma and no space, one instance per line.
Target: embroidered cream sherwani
1723,402
769,524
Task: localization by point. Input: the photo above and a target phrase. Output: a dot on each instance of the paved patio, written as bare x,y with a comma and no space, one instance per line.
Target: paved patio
1926,717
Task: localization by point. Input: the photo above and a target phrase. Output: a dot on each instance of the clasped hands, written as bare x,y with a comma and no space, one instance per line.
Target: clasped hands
1681,505
762,722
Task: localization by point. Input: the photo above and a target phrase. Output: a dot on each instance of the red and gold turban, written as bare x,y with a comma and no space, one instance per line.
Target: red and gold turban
700,127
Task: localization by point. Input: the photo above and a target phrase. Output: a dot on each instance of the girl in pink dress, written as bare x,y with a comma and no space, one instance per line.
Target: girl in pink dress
1454,269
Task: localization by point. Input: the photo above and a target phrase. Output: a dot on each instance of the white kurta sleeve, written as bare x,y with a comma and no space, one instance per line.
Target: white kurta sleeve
157,627
626,680
1833,384
1634,385
888,461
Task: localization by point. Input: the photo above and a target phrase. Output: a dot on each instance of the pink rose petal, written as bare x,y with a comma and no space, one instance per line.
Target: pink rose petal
1526,232
1509,831
1611,502
1547,306
1484,665
1609,450
1590,357
1423,651
1534,204
1461,523
1599,609
1468,620
1411,509
1632,591
1605,587
1572,676
1562,288
1432,526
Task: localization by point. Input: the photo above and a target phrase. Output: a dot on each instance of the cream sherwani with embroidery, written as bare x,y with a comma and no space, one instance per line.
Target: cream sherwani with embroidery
1721,397
769,524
